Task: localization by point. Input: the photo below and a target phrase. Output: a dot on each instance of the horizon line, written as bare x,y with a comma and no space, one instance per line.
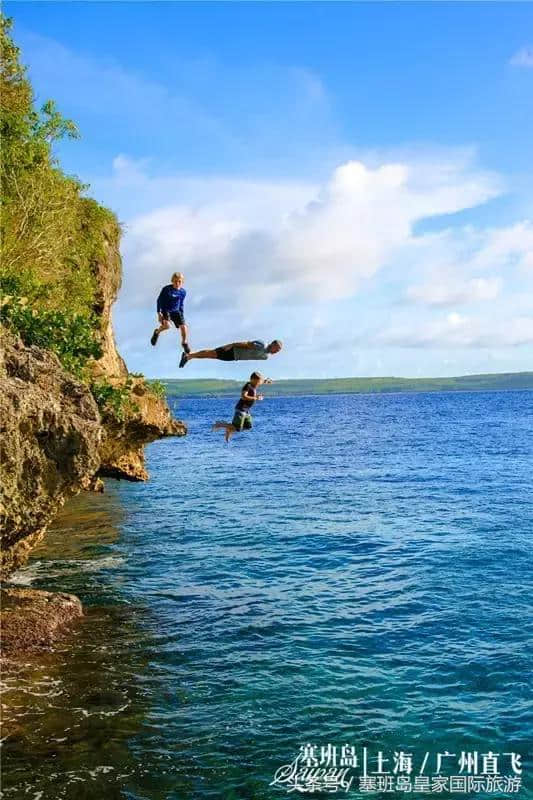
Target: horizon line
360,377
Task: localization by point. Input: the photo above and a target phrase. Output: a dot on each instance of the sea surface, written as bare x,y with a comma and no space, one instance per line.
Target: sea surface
356,571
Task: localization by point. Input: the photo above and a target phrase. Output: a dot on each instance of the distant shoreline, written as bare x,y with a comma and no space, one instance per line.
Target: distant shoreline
507,381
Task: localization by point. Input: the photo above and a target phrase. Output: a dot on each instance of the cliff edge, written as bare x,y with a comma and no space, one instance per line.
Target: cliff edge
143,415
69,409
56,439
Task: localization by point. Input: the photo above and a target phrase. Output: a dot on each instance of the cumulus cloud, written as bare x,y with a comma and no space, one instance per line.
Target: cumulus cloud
459,266
312,259
509,247
522,58
317,253
290,242
455,291
459,331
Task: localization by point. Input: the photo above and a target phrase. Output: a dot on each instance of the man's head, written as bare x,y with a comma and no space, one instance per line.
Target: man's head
256,379
177,280
275,346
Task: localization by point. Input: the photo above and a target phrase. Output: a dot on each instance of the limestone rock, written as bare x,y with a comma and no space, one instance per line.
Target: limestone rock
50,435
32,620
146,418
108,278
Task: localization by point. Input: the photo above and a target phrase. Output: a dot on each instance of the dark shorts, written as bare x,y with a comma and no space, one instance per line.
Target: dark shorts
176,317
225,355
242,421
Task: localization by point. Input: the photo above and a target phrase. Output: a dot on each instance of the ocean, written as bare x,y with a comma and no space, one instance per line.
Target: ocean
349,585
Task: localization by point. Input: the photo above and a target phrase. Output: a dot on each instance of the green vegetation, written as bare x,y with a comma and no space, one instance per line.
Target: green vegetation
158,388
113,399
52,236
69,335
464,383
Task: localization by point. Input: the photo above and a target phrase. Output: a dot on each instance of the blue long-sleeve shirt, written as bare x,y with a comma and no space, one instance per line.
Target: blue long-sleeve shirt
171,299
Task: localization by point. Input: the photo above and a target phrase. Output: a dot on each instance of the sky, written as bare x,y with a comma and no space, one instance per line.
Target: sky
355,179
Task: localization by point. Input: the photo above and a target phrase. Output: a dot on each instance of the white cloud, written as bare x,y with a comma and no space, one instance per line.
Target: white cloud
510,247
457,266
522,58
262,242
311,260
302,261
455,291
459,331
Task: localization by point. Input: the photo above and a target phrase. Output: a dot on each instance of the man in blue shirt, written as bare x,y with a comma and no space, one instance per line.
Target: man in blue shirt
237,351
170,308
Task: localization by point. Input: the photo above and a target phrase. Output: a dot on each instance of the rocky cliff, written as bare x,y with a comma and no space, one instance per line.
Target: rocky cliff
146,416
51,433
61,272
55,439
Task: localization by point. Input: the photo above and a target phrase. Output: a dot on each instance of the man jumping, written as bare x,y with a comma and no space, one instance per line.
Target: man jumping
242,419
170,307
237,351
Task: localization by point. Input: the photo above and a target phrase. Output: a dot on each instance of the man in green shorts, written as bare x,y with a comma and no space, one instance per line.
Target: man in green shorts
242,419
237,351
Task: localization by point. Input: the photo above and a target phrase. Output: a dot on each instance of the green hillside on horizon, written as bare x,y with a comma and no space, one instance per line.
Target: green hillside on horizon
506,381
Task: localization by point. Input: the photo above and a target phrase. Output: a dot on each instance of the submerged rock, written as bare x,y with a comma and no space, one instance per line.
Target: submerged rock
32,620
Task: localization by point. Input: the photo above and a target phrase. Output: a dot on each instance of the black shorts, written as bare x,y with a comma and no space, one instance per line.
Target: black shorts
242,420
176,317
225,355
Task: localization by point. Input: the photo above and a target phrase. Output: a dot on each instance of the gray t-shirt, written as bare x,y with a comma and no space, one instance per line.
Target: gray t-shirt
257,352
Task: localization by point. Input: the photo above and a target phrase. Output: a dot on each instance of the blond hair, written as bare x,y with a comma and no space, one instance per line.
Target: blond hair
176,275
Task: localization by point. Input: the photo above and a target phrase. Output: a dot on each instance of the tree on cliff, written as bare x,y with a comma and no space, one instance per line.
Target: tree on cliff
36,195
52,235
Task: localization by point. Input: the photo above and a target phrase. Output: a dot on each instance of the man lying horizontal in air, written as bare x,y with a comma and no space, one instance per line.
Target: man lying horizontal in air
237,351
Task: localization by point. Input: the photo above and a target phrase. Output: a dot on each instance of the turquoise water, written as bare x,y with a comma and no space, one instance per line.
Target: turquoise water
356,570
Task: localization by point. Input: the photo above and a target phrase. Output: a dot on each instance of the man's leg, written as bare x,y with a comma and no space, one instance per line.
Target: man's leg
227,426
220,353
183,331
230,431
202,354
164,326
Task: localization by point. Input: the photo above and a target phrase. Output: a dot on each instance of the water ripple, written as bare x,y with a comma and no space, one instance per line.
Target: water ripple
357,569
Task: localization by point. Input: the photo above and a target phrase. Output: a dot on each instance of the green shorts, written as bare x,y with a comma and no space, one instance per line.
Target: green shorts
242,421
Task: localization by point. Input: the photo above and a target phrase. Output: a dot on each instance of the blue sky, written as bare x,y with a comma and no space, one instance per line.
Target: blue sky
352,178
